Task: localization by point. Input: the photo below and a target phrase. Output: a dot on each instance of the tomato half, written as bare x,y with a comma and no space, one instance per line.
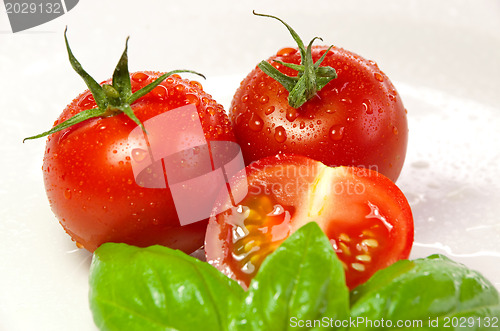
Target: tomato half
365,215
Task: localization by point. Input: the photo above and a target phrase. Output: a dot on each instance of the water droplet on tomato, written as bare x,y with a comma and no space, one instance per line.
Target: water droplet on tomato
244,98
269,110
395,130
291,114
196,84
139,77
336,132
160,91
330,111
239,119
367,106
255,123
286,51
139,154
192,99
302,125
378,76
67,194
86,101
264,99
280,134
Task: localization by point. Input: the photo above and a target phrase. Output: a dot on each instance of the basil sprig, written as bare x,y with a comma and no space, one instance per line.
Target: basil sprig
300,286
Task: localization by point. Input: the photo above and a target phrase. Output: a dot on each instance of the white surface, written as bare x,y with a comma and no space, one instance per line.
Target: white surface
442,57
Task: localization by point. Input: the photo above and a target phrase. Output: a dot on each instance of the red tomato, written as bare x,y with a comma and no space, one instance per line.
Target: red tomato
89,177
365,215
357,119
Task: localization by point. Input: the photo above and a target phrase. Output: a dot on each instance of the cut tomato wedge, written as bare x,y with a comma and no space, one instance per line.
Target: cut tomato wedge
363,213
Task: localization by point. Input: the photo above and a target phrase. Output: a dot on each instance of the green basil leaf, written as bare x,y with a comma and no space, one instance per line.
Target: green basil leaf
157,288
434,290
302,281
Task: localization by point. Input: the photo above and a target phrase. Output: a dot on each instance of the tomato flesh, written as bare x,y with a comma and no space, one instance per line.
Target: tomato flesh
364,214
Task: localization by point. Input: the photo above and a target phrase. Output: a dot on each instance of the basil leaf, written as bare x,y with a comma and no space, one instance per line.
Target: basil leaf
431,290
301,281
157,288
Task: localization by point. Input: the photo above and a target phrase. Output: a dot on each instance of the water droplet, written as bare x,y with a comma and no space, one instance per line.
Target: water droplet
378,76
367,106
280,134
211,111
67,194
196,84
239,118
350,119
192,99
264,99
160,91
130,181
139,154
302,125
291,114
139,77
395,130
269,110
286,51
244,98
330,111
86,101
336,132
255,123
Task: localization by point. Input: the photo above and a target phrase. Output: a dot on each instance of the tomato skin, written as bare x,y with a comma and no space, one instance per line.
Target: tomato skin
357,119
364,214
89,179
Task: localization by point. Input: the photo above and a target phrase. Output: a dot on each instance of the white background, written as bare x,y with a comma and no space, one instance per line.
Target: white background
443,57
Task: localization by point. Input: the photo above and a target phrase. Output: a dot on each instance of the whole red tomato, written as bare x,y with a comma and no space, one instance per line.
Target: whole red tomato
88,170
356,119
